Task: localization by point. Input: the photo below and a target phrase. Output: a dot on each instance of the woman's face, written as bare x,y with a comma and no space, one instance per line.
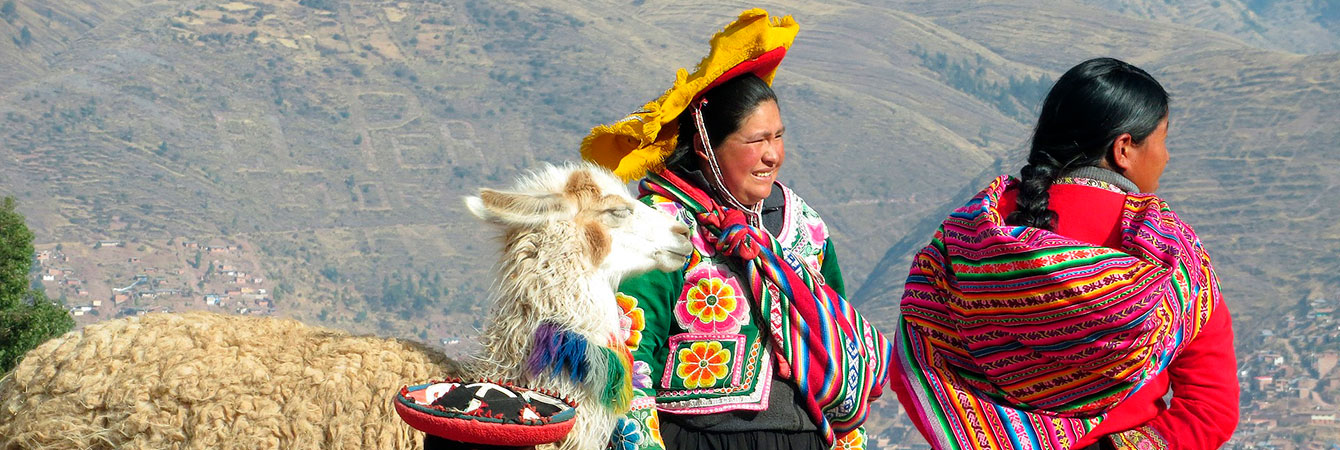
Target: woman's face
751,156
1149,159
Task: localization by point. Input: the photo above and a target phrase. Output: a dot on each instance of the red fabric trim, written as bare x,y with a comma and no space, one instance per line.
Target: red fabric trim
762,66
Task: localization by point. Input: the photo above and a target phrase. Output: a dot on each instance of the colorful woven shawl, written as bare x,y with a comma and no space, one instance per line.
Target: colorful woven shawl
1019,338
838,360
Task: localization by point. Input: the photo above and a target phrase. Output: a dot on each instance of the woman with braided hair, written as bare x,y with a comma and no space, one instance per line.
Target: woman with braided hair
751,345
1056,310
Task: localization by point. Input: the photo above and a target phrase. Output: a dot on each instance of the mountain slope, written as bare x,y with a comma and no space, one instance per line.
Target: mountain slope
338,136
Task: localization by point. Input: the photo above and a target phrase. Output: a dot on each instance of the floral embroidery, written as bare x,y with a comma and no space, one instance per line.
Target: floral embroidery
641,375
852,441
816,230
713,303
626,435
702,364
632,320
654,429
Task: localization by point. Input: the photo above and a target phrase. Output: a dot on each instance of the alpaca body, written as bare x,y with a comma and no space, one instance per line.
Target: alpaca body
570,234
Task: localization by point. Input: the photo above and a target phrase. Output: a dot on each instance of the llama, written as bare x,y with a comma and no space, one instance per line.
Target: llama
203,380
570,235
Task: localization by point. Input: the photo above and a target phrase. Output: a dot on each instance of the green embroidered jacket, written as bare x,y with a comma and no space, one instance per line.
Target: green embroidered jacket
699,344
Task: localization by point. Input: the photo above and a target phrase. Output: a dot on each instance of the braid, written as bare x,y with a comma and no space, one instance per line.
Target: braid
1031,209
1085,112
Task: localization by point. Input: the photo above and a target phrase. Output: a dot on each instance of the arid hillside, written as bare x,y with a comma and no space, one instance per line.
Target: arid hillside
332,140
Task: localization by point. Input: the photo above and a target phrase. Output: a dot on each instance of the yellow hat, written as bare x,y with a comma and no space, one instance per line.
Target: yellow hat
640,142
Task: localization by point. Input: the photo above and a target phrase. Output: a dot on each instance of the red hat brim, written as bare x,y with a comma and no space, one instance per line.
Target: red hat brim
471,429
763,66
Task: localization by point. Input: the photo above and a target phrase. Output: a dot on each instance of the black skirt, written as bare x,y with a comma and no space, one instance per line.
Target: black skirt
677,438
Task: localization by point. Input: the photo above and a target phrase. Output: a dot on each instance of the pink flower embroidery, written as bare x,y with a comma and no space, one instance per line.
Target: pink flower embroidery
816,233
712,303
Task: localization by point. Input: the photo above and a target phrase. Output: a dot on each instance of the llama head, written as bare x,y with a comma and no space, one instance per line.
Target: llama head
618,236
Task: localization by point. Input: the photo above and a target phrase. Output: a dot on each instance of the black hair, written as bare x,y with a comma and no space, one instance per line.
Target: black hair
728,104
1086,110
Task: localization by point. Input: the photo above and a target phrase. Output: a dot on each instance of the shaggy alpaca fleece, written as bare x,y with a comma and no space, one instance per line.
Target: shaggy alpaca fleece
203,380
570,234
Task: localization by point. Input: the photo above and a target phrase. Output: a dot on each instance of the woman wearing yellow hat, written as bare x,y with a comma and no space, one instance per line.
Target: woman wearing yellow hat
752,344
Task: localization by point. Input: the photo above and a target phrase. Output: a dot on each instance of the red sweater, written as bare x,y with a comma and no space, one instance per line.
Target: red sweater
1203,378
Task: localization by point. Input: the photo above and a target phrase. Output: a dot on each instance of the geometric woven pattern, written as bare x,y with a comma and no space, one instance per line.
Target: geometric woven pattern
1017,337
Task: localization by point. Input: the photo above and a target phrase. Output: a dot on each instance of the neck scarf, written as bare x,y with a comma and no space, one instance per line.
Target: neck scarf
837,360
1018,338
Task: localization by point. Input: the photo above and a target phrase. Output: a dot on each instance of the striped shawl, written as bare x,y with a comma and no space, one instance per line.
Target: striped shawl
1019,338
838,360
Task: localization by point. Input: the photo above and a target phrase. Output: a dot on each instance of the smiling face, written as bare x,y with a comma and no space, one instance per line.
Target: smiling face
751,156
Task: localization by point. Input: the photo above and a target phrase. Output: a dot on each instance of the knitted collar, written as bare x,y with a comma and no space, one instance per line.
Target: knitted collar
1109,180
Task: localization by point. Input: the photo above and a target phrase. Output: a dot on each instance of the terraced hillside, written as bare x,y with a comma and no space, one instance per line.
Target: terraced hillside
1299,26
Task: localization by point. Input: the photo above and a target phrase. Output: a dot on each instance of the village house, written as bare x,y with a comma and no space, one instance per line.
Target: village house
1324,315
1264,382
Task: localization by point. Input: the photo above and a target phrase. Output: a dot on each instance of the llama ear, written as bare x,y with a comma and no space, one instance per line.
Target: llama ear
512,208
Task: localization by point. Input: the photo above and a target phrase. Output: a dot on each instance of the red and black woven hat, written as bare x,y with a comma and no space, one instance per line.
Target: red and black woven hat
487,413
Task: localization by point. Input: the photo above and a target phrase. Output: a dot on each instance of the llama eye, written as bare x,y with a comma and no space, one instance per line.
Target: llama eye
620,213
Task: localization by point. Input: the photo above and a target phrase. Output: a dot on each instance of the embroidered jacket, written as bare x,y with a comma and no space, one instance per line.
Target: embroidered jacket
695,334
